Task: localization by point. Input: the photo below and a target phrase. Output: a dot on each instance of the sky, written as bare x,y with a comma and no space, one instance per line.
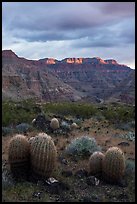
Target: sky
37,30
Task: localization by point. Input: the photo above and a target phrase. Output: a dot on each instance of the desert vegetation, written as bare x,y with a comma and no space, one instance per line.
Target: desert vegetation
99,128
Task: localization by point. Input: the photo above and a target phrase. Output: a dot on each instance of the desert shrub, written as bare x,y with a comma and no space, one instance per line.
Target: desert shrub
74,109
129,136
23,127
99,116
125,125
119,114
7,131
82,146
15,113
65,126
130,167
78,121
7,180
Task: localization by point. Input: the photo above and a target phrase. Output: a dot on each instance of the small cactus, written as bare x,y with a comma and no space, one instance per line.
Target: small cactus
74,126
54,124
113,164
95,162
43,155
18,155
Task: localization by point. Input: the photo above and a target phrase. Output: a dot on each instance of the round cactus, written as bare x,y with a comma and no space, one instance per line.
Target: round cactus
54,124
42,155
74,126
95,162
113,167
18,155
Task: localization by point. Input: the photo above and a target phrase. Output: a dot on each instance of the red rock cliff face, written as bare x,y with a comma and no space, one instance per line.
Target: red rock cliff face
50,61
67,79
111,61
73,60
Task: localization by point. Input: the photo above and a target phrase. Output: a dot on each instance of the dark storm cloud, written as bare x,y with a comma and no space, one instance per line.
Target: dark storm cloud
119,8
61,20
69,27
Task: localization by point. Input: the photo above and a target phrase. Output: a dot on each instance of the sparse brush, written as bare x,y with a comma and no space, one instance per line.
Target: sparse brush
82,146
7,131
65,126
23,127
130,167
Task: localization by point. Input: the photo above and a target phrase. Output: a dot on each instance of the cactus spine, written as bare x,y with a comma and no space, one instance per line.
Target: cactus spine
43,155
113,164
54,124
95,162
18,155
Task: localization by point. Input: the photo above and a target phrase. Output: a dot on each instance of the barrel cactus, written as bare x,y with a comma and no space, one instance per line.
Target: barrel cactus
43,155
54,124
74,126
95,162
113,167
18,155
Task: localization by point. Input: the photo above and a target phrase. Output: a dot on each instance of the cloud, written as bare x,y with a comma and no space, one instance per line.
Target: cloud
67,26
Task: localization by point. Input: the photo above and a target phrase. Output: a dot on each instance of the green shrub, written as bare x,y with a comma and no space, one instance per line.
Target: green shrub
82,146
23,127
7,131
119,113
130,167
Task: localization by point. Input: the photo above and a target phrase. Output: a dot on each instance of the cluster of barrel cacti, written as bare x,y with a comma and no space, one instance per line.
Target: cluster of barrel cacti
37,154
110,165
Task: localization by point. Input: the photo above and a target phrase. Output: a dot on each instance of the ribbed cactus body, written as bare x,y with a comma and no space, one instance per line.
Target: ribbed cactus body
18,155
43,155
54,124
113,164
95,162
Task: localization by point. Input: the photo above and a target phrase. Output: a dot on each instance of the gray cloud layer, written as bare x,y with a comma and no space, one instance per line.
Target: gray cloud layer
82,24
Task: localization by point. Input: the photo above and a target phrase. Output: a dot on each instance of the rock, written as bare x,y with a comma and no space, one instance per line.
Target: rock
122,183
55,186
67,173
40,121
81,173
124,144
37,194
92,180
122,196
64,161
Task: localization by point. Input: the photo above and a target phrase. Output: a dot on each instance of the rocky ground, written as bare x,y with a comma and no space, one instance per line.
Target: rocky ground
72,181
